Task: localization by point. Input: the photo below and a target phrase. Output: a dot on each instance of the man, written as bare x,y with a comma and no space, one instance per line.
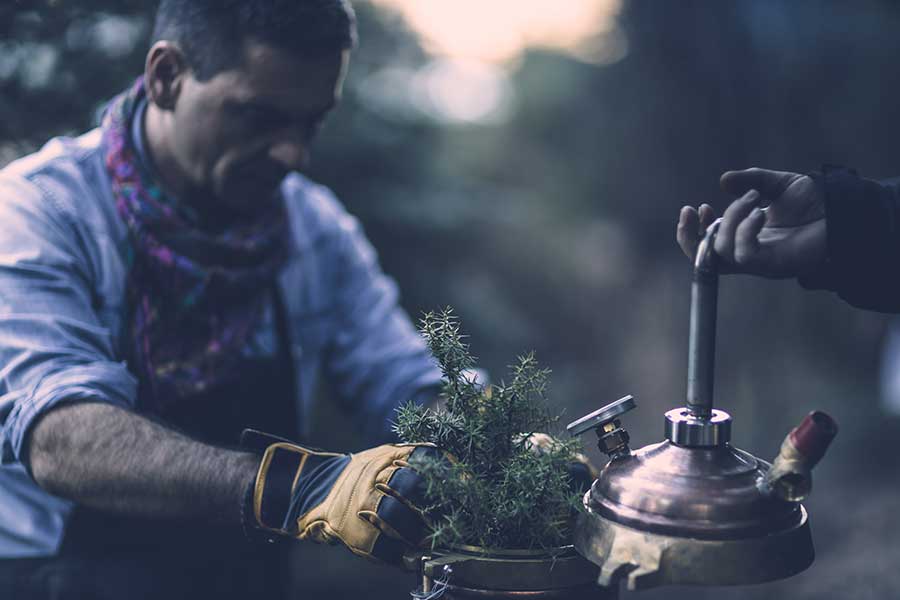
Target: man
166,280
831,230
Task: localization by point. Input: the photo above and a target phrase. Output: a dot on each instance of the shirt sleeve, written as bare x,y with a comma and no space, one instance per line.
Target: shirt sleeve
863,241
377,360
53,346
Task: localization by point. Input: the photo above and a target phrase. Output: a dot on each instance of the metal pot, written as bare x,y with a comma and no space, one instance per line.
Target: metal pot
693,509
472,572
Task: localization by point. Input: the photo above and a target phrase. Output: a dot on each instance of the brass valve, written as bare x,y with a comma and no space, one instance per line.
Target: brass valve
790,477
613,439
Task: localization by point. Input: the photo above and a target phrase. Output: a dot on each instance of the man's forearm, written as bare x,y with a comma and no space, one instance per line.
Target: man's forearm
109,458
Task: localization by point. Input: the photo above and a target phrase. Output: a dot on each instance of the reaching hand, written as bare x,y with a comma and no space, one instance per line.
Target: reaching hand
372,502
775,228
581,470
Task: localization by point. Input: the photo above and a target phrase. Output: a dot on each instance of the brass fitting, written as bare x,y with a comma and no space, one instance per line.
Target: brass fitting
790,477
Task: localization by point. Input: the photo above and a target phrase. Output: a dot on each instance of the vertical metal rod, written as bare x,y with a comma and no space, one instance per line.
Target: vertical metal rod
702,336
426,579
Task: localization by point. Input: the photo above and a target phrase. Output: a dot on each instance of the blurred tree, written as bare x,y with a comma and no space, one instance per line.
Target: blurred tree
59,60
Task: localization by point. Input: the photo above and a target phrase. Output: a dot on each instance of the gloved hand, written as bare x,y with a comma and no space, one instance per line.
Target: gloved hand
581,471
784,239
371,502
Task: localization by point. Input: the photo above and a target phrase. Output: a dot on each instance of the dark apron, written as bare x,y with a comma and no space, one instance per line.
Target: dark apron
106,556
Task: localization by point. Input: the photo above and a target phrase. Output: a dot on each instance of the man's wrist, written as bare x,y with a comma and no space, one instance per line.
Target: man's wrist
267,498
819,276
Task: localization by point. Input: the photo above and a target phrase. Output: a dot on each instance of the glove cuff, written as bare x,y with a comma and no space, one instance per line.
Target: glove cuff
275,481
253,533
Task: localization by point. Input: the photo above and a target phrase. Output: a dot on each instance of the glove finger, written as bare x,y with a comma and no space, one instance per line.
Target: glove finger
422,452
541,442
580,475
426,452
395,519
408,487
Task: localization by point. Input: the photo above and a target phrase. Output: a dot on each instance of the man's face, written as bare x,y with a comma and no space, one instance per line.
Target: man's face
236,135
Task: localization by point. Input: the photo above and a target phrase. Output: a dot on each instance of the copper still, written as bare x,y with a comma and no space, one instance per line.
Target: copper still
693,509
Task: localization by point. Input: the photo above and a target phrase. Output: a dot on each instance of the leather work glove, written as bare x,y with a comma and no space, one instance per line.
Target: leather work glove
581,471
371,502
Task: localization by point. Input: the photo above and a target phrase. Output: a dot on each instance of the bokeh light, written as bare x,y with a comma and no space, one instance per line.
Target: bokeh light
474,45
499,30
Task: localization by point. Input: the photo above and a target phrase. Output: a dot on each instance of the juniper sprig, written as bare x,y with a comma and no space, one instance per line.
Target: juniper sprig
501,491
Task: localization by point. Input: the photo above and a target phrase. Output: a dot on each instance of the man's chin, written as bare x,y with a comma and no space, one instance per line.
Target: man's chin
250,196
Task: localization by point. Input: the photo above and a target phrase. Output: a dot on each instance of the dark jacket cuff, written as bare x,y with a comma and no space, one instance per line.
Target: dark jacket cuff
863,242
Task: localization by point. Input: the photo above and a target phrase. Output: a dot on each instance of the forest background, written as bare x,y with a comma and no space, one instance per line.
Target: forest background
536,192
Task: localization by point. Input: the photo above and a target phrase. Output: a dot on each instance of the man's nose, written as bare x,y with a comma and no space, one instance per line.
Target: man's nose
292,154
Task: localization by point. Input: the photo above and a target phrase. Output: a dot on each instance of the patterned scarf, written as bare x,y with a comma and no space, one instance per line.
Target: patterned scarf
196,297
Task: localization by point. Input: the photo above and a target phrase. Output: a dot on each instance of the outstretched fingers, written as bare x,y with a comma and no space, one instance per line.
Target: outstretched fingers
687,232
770,184
747,249
734,215
707,216
692,224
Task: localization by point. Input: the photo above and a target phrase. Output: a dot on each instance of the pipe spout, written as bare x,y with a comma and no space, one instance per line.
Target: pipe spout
790,477
702,333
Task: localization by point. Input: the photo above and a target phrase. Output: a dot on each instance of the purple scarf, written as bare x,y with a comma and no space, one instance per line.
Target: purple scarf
195,297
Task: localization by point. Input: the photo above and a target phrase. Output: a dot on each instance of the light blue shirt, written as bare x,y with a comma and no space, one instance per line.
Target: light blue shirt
63,316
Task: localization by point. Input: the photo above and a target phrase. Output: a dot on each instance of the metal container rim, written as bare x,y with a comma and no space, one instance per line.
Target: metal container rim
482,552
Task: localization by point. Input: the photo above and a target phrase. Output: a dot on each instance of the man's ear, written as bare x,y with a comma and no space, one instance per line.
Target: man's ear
164,73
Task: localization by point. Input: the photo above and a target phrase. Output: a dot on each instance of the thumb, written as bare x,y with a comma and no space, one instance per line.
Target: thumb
768,183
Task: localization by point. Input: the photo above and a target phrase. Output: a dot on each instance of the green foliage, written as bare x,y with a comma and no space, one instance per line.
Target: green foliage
504,490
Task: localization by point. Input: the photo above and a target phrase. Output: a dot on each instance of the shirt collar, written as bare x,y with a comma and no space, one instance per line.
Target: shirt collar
139,139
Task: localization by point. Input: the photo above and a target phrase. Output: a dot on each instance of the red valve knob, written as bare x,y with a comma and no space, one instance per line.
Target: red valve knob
813,435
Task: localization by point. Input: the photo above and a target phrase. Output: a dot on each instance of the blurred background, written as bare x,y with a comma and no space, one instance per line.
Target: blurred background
524,161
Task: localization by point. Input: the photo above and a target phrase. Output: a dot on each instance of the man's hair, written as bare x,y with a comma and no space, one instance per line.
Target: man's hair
211,32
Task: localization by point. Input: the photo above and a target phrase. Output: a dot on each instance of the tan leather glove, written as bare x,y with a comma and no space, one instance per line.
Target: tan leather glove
582,471
371,502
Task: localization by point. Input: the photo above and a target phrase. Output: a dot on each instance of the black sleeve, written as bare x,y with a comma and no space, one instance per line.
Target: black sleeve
863,241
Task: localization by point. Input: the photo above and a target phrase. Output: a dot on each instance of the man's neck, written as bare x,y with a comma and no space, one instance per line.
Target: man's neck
171,178
157,127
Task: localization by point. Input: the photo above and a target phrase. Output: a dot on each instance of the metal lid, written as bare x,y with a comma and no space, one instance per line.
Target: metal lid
706,493
601,416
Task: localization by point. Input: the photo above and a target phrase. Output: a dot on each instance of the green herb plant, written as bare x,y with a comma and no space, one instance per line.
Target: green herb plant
503,490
